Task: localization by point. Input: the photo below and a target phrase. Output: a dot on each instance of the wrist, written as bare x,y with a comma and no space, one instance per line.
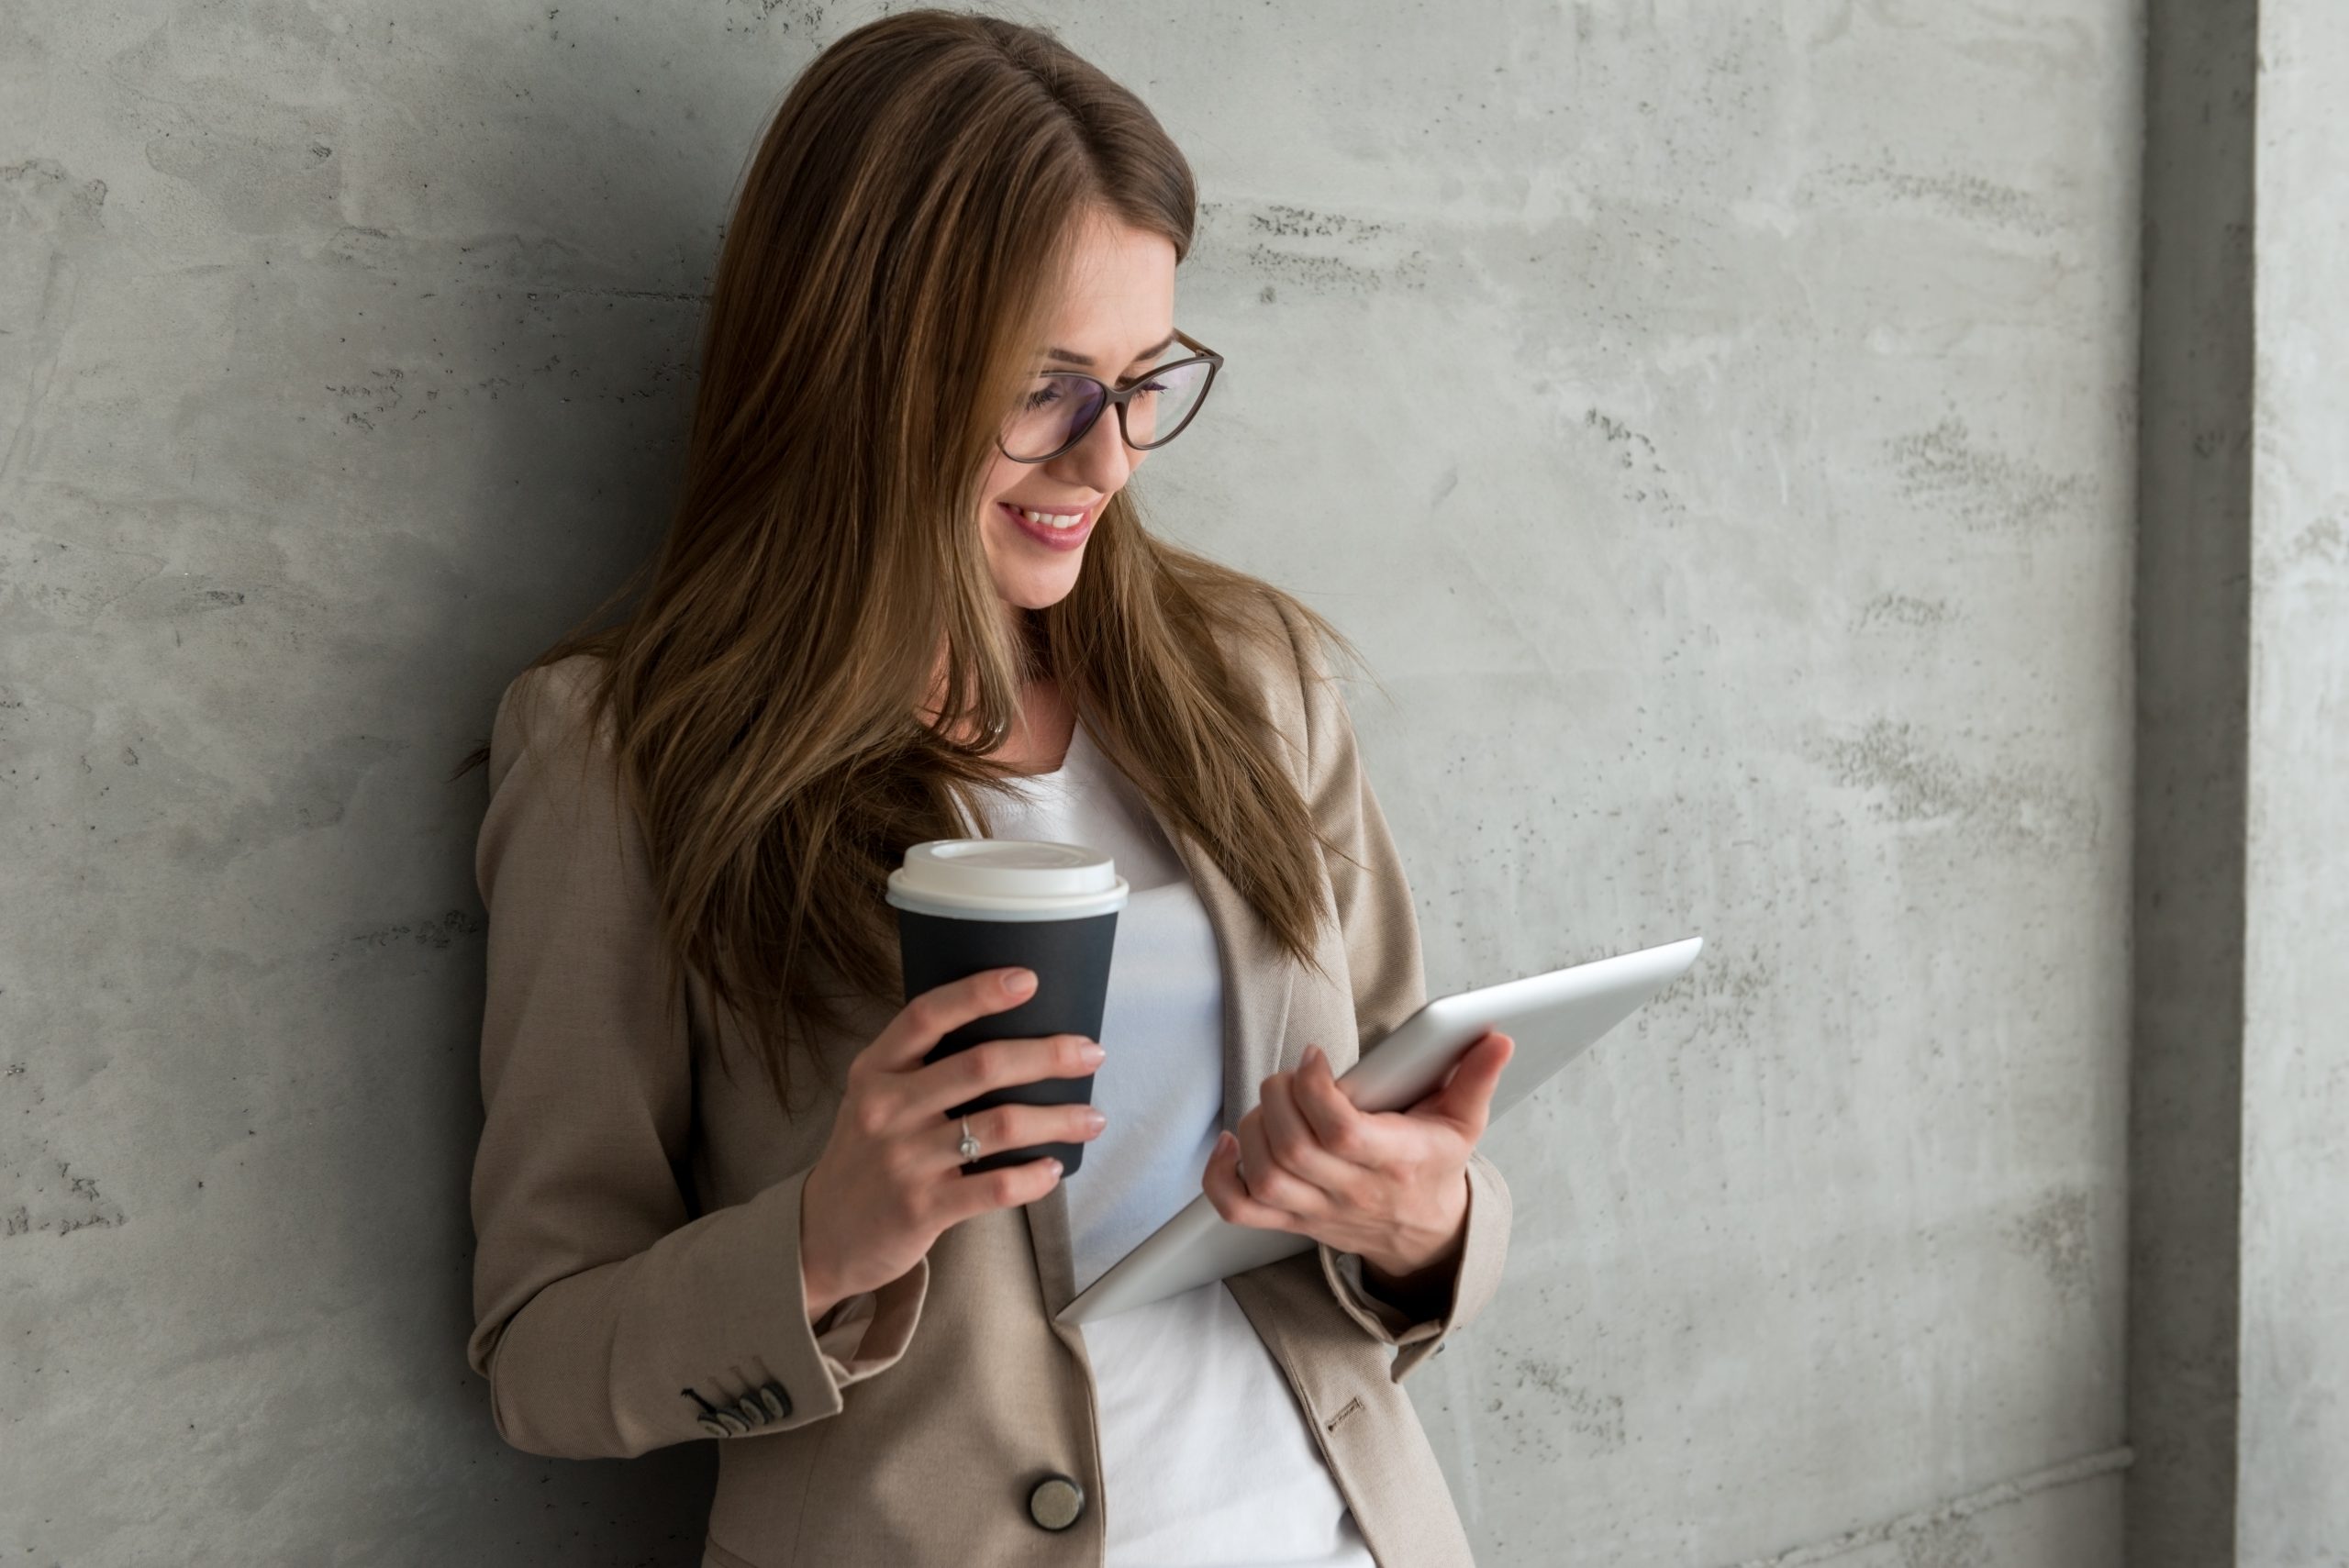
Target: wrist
820,1299
1417,1265
816,1290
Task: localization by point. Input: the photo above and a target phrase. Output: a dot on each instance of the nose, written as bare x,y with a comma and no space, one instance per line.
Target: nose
1101,460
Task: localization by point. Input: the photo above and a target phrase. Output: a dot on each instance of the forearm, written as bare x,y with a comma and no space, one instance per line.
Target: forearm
1422,1288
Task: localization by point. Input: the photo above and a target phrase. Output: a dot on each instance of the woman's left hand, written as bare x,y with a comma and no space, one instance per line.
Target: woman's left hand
1391,1186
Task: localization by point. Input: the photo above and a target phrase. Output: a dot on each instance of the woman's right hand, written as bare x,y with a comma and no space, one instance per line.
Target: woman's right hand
890,1181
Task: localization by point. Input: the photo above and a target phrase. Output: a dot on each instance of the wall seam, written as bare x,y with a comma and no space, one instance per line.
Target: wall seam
2003,1494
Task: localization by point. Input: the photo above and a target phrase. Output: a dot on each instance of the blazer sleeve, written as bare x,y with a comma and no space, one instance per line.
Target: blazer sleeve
1381,944
608,1320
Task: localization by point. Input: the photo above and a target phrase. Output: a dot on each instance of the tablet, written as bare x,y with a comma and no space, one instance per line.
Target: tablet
1552,1018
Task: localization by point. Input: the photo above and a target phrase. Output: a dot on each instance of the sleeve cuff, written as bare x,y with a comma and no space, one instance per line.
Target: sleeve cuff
1475,1276
869,1331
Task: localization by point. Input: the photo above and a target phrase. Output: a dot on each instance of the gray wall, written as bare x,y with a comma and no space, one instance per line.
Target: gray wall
2293,1506
1717,423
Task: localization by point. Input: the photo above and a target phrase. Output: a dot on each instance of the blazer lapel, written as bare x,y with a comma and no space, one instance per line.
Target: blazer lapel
1257,980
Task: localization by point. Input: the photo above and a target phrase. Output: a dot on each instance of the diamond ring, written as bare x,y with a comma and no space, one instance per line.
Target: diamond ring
969,1147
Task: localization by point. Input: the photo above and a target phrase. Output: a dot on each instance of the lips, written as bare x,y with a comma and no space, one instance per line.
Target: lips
1045,534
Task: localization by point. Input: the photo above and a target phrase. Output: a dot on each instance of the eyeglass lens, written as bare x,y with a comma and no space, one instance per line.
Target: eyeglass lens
1056,406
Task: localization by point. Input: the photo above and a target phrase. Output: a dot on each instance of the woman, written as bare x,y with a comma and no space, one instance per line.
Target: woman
714,1194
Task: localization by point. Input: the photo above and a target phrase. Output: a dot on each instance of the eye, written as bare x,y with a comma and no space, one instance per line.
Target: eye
1042,397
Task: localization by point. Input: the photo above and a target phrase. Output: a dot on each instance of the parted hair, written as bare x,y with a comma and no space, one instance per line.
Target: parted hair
792,680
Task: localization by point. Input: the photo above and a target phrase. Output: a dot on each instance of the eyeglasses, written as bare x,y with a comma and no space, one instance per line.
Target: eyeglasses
1059,406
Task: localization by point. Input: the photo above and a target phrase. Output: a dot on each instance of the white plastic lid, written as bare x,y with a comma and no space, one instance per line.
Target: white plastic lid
1007,879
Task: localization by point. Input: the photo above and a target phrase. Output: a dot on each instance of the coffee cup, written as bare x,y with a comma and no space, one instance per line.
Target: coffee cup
968,905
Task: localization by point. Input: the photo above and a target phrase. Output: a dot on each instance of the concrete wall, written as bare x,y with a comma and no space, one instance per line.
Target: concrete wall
2293,1470
1716,422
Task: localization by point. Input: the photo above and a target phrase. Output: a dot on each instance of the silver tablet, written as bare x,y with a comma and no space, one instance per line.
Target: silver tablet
1552,1018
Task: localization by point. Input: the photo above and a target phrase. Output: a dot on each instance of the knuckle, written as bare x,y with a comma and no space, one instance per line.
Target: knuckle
870,1116
902,1209
920,1015
980,1064
899,1162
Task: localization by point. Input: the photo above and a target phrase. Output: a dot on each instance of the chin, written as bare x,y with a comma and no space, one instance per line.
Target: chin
1037,595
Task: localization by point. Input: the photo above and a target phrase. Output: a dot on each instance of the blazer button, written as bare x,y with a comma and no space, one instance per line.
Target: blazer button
735,1426
1056,1502
777,1399
753,1414
710,1424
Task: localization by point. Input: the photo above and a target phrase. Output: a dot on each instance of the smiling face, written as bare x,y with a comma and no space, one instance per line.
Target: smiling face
1115,321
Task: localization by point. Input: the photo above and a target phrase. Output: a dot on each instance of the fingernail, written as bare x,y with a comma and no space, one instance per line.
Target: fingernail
1092,1053
1019,980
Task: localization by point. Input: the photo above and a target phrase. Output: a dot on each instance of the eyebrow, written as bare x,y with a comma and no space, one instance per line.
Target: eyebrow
1068,356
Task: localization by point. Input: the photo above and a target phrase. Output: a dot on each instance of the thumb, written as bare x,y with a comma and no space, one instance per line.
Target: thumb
1463,1098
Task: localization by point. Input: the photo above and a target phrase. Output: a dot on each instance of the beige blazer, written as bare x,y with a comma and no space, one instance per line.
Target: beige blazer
637,1277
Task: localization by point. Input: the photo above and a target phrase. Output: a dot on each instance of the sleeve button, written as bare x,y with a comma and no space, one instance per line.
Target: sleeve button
778,1400
711,1425
1056,1502
735,1426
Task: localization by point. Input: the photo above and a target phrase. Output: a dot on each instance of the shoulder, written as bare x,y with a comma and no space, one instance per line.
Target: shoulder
545,710
1276,638
1283,649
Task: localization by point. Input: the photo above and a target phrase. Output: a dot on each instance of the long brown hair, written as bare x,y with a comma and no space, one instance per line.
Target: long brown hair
882,289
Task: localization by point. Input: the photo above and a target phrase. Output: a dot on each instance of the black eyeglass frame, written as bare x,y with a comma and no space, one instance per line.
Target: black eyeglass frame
1200,354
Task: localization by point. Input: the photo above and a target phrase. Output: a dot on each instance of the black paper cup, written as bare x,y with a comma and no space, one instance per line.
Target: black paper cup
968,905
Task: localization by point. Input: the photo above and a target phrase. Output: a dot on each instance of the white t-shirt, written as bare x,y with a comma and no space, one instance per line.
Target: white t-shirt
1206,1459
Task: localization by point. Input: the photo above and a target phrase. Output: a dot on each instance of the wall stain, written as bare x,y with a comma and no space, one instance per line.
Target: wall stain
1902,609
375,397
248,153
2323,545
69,585
1952,1543
41,286
44,1195
1946,469
1324,253
781,15
2056,1234
41,196
1728,986
1590,1413
440,932
1969,198
1327,275
2010,806
1642,478
1295,221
